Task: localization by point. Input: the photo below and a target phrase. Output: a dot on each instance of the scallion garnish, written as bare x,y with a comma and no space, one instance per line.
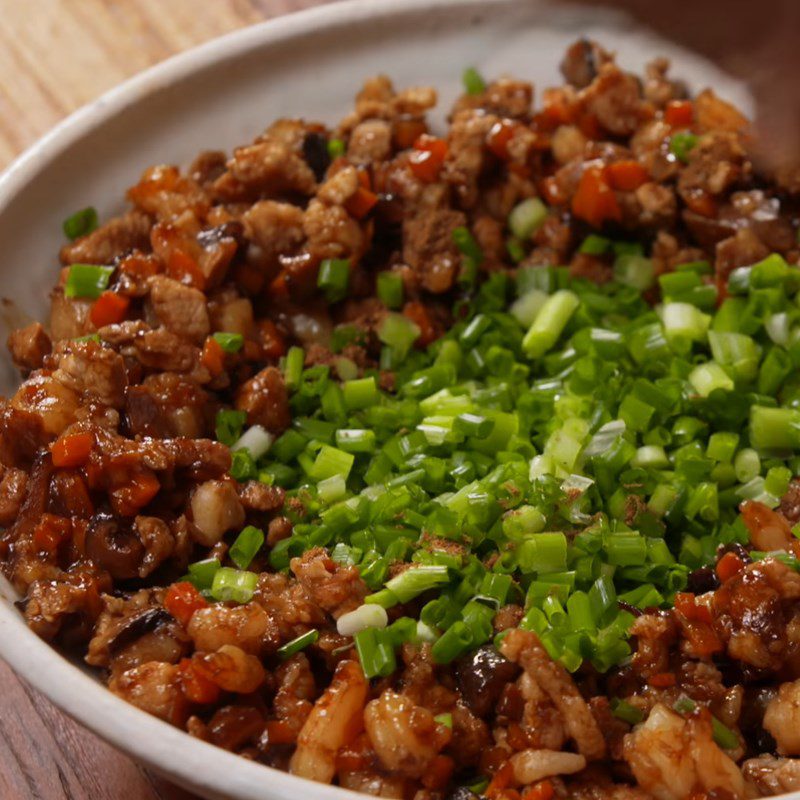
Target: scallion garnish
87,280
80,223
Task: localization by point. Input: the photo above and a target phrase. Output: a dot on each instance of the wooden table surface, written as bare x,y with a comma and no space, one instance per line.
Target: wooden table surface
56,55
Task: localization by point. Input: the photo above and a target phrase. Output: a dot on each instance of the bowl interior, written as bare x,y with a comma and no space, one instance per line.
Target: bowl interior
215,97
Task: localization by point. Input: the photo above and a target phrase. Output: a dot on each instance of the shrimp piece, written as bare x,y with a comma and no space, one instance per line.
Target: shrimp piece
231,669
525,649
540,718
533,765
248,627
772,775
335,719
672,757
154,688
406,737
782,718
769,530
296,691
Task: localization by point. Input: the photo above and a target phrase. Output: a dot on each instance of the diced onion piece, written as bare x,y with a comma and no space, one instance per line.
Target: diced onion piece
256,440
366,616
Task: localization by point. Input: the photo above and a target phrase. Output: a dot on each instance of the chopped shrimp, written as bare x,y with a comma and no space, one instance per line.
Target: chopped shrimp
154,688
782,718
769,530
540,718
296,691
231,669
533,765
334,720
770,775
524,648
247,627
672,757
405,736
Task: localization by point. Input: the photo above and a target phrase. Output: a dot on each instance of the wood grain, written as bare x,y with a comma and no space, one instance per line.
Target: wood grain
55,56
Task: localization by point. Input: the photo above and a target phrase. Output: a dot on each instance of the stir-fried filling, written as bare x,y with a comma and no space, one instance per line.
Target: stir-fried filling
436,465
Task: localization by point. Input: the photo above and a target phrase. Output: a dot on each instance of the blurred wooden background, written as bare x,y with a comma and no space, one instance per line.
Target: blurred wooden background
56,55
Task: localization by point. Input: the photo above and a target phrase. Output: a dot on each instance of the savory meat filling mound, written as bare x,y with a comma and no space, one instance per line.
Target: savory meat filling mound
436,465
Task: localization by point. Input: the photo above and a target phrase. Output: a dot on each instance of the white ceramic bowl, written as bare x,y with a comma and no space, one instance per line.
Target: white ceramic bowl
218,95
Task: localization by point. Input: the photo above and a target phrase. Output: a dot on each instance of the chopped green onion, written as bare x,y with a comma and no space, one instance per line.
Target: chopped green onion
398,332
594,245
201,573
229,342
356,440
366,616
336,148
293,367
774,428
527,217
473,81
360,393
333,278
246,545
376,653
681,144
390,289
623,710
296,645
444,719
233,585
550,322
229,424
256,440
330,461
80,223
87,280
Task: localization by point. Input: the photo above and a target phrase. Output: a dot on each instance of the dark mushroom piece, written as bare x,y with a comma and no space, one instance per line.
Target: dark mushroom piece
113,545
137,626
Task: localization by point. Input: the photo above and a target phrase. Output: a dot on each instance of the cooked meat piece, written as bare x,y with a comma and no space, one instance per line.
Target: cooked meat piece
94,371
215,509
181,309
614,98
116,237
370,142
429,248
29,346
335,588
13,484
582,62
257,496
154,687
265,400
276,228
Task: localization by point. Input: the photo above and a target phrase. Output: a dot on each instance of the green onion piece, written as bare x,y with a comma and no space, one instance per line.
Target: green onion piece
723,735
246,545
233,585
87,280
415,581
526,308
706,378
473,81
722,446
683,322
473,425
90,337
522,521
229,342
634,270
243,467
747,465
681,144
332,489
454,642
626,712
444,719
375,652
329,462
355,440
516,252
80,223
594,245
336,148
333,278
201,573
399,333
465,242
389,286
296,645
228,425
549,323
774,428
293,367
684,705
527,217
360,393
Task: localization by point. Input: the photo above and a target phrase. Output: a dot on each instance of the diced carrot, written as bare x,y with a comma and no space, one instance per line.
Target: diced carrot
729,565
662,680
194,685
182,600
427,158
500,137
627,176
361,203
213,357
364,180
182,267
539,791
109,309
701,203
557,109
594,201
280,732
418,313
273,344
139,266
278,288
135,493
679,113
406,131
589,126
72,449
50,532
502,779
686,604
438,773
